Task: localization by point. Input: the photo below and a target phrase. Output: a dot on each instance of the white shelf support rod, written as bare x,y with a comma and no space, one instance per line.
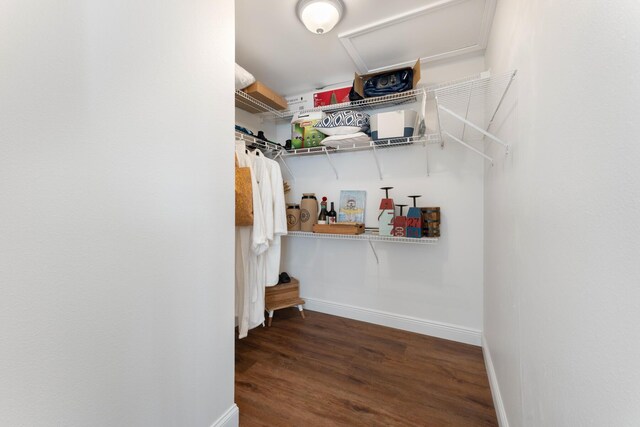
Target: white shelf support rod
288,168
464,144
331,162
504,94
426,151
439,123
373,248
423,106
471,124
466,114
375,156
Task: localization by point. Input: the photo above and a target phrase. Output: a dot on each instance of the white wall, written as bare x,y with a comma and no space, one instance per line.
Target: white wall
256,123
116,281
435,290
562,215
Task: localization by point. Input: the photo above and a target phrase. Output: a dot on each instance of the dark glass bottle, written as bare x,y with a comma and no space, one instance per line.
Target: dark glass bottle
322,218
332,216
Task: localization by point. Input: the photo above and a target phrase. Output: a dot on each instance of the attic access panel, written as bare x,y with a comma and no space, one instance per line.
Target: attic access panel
439,30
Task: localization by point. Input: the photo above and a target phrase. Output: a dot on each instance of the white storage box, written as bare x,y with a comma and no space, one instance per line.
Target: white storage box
394,124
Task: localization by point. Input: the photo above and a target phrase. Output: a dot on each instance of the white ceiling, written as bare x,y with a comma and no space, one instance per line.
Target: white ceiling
279,51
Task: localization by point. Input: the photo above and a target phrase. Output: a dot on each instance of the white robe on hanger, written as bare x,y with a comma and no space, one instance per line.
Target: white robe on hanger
256,312
250,241
279,222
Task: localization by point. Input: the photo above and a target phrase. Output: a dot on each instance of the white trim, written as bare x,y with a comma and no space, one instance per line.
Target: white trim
231,418
493,383
398,321
346,38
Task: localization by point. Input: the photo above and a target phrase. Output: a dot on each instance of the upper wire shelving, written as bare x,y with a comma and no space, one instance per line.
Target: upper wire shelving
463,107
433,138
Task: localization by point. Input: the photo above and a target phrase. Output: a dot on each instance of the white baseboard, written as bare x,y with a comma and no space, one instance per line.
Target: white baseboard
493,383
407,323
231,418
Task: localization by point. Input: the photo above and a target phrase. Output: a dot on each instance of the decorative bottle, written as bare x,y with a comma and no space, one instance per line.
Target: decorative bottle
332,216
322,218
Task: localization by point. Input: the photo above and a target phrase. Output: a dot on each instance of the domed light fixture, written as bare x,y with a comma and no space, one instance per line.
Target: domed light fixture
320,16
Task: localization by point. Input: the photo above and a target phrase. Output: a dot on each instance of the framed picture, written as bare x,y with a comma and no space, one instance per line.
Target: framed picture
352,204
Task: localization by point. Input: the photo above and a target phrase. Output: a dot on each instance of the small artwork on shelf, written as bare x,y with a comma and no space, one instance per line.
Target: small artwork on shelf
352,204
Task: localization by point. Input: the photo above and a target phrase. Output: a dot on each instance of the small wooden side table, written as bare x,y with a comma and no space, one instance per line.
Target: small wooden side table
283,295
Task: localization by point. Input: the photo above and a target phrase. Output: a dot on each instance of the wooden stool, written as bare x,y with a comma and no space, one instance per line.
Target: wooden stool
284,295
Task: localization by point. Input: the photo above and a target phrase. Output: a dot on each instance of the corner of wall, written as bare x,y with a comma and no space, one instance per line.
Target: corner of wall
493,383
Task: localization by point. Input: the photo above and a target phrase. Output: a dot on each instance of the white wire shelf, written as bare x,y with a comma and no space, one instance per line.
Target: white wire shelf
266,146
364,104
465,108
369,236
433,138
452,91
252,105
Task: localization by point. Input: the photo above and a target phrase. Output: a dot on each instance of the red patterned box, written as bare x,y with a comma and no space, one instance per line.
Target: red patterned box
332,96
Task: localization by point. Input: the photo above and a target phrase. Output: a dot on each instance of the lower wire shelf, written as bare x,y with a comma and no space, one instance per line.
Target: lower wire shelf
371,237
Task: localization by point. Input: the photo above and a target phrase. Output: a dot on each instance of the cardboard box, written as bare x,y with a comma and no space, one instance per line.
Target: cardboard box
358,83
394,124
300,102
303,134
331,96
263,94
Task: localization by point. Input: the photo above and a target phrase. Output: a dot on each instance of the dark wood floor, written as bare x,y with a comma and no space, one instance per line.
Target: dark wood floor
332,371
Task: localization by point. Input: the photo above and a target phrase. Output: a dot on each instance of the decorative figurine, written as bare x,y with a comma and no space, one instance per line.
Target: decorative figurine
414,220
387,214
400,224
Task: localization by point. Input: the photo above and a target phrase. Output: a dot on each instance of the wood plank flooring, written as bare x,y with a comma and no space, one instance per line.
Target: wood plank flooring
331,371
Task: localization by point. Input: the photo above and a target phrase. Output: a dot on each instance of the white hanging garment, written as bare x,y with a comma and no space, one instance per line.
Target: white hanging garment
279,222
250,240
256,311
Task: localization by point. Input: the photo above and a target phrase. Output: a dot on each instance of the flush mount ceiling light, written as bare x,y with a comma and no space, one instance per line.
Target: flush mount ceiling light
320,16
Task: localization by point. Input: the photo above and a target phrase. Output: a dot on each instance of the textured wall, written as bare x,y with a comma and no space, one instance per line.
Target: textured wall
562,214
116,273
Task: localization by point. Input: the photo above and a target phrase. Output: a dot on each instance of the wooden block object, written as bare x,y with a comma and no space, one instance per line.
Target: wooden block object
400,226
414,223
283,295
431,221
262,93
339,228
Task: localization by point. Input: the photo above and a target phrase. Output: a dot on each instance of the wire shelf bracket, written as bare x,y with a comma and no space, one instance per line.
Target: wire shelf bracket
464,144
504,94
375,156
439,125
331,163
284,163
375,254
474,126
